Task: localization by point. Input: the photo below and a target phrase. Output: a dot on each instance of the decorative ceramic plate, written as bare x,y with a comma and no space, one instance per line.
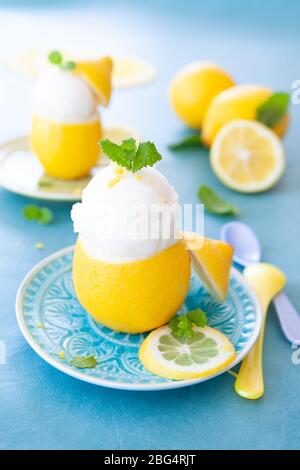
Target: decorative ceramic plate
58,328
22,173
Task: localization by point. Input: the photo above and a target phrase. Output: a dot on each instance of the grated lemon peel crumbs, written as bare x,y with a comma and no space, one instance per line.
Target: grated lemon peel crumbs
39,246
114,181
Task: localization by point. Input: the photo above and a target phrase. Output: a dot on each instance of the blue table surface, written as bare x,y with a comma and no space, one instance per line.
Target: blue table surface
258,42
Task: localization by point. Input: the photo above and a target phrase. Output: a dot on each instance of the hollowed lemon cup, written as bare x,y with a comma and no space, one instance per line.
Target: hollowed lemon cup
132,297
66,151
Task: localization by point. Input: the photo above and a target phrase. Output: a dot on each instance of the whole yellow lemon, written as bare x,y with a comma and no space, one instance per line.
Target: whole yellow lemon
238,102
132,297
193,88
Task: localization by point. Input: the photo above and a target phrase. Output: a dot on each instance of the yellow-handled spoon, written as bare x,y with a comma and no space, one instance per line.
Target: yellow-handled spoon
267,281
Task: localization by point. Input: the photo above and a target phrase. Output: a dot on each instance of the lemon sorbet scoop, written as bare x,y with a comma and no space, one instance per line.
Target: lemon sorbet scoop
131,282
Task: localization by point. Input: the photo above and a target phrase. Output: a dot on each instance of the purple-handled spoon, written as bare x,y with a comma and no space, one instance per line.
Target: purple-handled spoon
247,251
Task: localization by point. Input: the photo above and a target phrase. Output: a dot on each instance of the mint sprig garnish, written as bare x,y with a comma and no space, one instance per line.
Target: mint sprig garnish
41,215
131,156
271,111
84,362
215,203
56,58
182,325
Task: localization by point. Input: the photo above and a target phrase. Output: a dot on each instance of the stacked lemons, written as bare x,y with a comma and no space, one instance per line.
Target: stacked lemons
242,124
66,125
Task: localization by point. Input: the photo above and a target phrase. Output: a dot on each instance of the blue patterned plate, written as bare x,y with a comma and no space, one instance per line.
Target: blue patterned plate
58,328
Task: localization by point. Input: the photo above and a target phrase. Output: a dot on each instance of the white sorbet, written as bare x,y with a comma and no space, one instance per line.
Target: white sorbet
62,96
126,217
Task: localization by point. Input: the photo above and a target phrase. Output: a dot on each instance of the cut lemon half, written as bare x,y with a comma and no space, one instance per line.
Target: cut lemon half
98,74
207,353
247,156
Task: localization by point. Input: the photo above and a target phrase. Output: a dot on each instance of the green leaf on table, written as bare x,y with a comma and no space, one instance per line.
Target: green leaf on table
215,203
129,156
84,362
271,111
41,215
31,212
45,216
191,141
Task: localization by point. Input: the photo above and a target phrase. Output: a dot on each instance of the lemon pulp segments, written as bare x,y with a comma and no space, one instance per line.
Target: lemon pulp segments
206,353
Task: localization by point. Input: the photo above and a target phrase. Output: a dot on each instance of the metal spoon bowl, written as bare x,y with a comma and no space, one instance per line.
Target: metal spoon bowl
247,251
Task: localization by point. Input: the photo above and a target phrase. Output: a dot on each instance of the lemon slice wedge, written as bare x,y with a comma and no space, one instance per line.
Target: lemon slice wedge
207,353
29,62
247,156
98,75
212,261
130,72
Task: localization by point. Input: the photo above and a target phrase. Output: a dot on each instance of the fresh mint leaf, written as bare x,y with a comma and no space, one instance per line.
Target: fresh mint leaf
45,216
31,212
42,215
55,57
190,141
182,325
215,203
146,155
84,362
129,156
70,65
45,183
121,154
198,317
129,149
271,111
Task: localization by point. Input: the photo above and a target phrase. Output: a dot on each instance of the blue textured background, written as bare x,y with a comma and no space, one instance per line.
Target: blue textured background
257,42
